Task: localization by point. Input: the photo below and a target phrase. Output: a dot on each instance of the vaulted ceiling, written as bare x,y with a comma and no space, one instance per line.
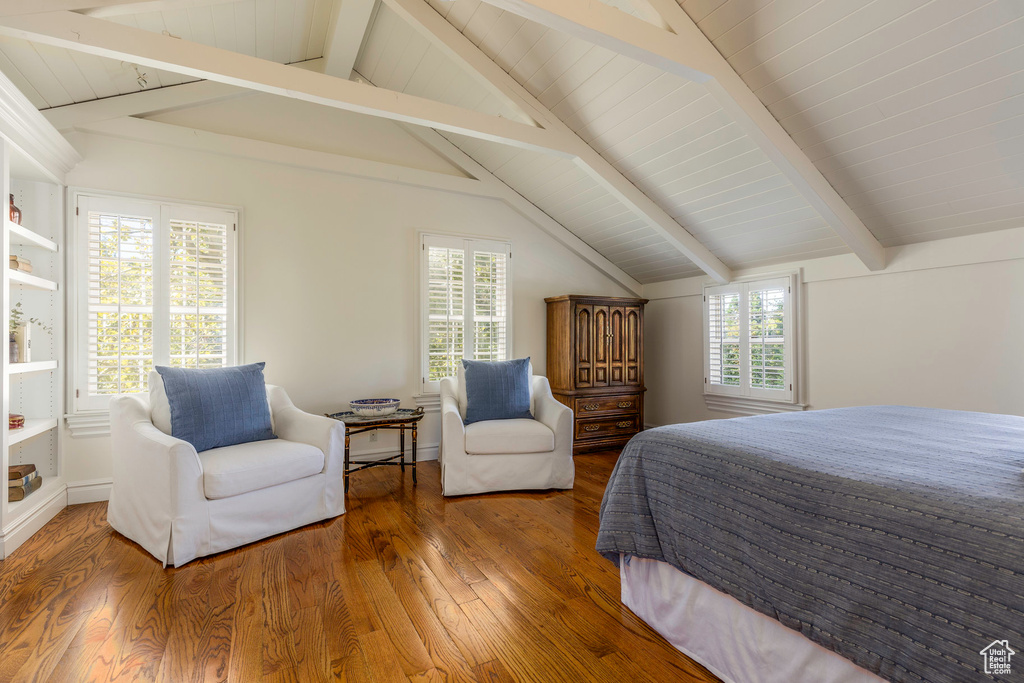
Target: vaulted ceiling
672,139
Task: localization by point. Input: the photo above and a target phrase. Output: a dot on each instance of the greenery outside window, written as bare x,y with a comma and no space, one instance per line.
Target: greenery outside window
155,285
466,304
750,340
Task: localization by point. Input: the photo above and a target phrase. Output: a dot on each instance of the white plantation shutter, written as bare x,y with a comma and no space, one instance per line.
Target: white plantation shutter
724,338
120,299
466,304
490,305
446,274
748,341
200,294
158,283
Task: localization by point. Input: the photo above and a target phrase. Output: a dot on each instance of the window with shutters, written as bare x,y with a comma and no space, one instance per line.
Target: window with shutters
155,286
750,340
466,304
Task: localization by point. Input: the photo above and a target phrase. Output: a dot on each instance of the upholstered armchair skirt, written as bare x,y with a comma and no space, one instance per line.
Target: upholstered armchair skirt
506,455
180,505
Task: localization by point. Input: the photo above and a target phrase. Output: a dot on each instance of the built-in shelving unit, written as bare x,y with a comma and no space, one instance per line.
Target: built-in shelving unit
34,159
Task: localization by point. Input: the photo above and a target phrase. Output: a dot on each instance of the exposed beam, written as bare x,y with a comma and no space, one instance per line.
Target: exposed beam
526,209
157,132
139,6
458,47
150,101
107,39
688,53
349,21
11,8
144,102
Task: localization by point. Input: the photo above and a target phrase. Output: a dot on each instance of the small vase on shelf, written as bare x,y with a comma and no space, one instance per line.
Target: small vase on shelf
15,212
13,354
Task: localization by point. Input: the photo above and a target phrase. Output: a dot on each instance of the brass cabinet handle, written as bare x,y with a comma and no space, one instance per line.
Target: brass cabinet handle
591,428
591,406
625,404
623,424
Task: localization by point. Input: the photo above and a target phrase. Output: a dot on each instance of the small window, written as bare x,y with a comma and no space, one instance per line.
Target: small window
155,286
466,304
749,339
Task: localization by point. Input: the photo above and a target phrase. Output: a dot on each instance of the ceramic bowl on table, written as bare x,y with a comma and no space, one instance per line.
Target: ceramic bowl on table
374,407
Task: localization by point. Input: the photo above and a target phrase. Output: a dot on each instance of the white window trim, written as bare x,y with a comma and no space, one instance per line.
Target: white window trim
754,401
96,423
428,388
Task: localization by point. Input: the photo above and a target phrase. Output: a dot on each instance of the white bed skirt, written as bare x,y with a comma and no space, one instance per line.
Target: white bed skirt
736,643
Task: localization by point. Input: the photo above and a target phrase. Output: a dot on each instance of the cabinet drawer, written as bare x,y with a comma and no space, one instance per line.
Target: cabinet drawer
617,425
600,405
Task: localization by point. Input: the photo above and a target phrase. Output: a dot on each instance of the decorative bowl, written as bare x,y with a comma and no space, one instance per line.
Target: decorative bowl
374,407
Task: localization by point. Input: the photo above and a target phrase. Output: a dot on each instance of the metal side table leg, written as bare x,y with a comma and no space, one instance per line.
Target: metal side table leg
348,441
414,453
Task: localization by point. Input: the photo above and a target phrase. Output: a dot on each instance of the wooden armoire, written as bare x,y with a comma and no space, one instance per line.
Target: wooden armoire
596,366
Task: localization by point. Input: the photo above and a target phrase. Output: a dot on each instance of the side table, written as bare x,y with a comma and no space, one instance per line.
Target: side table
401,419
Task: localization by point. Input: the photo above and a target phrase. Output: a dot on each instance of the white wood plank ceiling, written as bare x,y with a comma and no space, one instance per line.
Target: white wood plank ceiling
911,109
284,31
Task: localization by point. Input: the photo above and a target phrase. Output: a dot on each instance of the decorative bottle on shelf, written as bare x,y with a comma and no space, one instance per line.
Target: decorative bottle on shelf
13,355
15,212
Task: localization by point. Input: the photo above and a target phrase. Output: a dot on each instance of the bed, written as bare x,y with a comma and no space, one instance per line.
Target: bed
786,547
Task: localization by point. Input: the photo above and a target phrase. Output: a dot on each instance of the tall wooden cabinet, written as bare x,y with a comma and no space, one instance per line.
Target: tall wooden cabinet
596,366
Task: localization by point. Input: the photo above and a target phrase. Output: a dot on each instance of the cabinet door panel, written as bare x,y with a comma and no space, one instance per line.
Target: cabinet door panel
617,346
602,338
584,321
633,346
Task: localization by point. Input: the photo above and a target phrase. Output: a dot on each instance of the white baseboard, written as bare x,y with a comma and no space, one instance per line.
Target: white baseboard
424,452
20,532
91,491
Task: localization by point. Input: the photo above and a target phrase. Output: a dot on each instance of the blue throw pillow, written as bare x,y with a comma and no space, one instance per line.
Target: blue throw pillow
497,390
216,407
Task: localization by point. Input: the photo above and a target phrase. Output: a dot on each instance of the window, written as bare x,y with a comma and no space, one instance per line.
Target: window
749,340
466,304
155,285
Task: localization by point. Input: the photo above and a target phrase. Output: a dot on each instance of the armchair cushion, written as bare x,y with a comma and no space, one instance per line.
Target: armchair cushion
460,386
497,390
494,437
232,470
215,407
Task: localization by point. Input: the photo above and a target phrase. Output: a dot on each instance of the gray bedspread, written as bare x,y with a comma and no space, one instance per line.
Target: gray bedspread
891,535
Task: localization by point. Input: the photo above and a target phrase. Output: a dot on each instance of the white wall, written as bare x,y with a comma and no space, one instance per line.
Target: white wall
330,268
942,326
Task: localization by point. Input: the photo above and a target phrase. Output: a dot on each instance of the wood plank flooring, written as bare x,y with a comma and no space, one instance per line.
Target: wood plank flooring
406,586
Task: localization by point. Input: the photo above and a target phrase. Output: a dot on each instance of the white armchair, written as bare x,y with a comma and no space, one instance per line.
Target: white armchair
179,505
506,455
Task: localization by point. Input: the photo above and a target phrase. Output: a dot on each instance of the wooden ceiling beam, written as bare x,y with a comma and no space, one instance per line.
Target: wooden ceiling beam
687,52
74,31
349,21
459,48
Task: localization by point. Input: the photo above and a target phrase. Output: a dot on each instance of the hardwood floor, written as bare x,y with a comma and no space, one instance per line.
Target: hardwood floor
406,586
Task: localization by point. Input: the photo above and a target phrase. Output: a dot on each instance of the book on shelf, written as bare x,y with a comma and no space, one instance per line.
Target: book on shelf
15,483
15,493
21,336
19,471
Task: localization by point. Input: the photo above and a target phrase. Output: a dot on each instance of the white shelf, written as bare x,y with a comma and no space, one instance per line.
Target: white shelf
23,279
34,500
33,427
24,237
35,366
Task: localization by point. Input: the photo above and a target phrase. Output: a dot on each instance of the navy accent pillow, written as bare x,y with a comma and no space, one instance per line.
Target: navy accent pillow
215,407
497,390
